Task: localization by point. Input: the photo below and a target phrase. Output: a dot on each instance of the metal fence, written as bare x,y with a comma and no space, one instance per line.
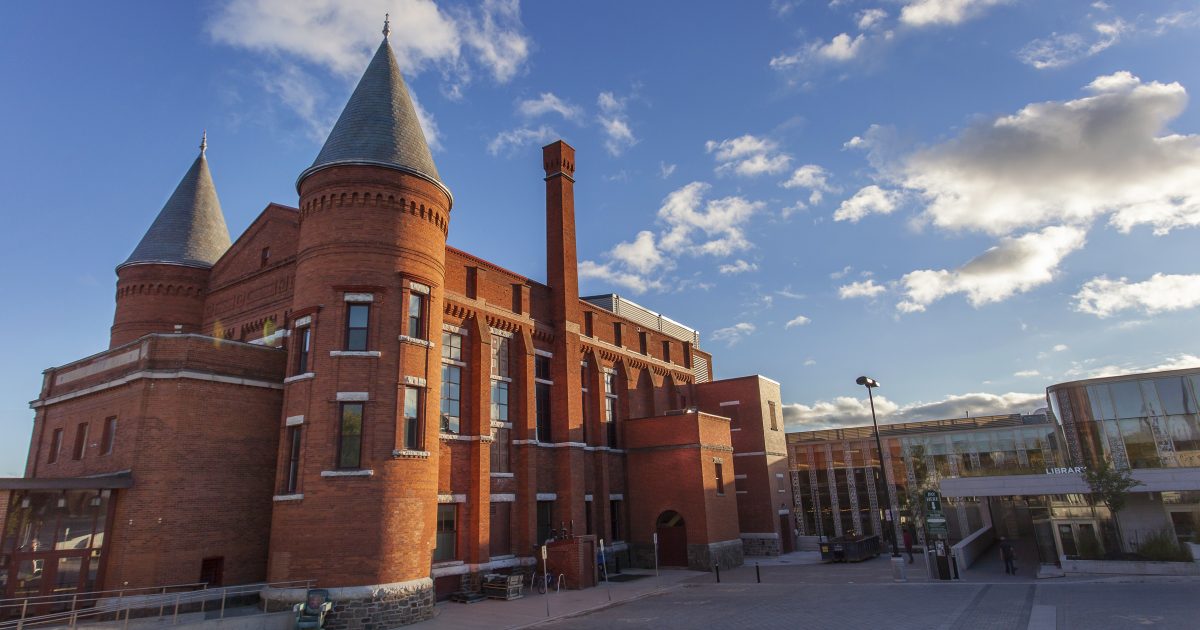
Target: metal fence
161,602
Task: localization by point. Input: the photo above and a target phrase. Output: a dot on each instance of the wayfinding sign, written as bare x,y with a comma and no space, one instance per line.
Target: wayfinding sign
935,519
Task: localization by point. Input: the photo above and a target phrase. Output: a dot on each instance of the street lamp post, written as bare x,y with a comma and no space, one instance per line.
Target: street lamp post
897,561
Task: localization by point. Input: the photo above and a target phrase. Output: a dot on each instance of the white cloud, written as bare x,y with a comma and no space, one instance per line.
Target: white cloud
300,92
810,362
861,289
1061,49
847,411
841,48
798,320
1161,293
734,333
1060,347
1026,373
813,178
614,122
868,200
495,35
665,170
1016,265
870,18
686,214
739,266
748,156
641,255
788,293
548,102
636,283
1088,368
943,12
1066,162
509,141
838,275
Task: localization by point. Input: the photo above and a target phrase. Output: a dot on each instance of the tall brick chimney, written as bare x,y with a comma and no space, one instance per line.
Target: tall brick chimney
562,268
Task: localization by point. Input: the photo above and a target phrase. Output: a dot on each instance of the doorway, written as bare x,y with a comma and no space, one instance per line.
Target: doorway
785,534
672,539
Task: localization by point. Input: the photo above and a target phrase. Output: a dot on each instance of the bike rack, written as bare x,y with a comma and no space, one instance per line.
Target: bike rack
559,582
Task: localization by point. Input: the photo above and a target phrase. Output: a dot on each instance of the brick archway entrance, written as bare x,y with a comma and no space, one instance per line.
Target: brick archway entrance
672,539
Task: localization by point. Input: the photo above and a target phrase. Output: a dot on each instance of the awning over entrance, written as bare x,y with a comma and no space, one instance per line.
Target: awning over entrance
106,482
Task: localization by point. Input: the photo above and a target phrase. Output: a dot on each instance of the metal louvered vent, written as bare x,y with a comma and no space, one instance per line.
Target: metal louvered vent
645,317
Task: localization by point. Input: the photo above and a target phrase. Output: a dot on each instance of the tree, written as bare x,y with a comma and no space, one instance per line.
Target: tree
1110,486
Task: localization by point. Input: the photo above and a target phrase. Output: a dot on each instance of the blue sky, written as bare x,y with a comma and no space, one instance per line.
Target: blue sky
965,199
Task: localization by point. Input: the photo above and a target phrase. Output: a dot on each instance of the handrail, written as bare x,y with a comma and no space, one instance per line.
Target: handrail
119,592
121,604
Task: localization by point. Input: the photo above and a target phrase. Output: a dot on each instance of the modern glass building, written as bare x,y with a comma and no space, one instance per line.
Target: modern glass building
1021,475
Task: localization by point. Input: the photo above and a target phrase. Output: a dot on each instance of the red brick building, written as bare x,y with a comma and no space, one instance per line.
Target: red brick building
338,395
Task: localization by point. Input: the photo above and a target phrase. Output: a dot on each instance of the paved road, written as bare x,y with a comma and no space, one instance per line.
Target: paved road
916,606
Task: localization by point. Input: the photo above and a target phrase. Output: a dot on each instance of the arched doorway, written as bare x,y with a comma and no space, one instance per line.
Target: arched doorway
672,540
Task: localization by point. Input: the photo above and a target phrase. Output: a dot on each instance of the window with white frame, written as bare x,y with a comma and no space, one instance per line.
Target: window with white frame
451,397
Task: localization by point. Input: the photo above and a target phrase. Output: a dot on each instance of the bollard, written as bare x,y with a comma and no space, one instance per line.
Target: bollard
757,573
718,567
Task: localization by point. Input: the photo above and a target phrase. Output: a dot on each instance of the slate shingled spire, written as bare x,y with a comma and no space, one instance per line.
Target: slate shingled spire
190,229
379,125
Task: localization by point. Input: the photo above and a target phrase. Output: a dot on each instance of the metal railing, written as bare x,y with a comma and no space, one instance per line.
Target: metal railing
120,604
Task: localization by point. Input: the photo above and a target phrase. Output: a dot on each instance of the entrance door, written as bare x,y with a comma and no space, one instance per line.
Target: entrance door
785,533
672,540
1067,538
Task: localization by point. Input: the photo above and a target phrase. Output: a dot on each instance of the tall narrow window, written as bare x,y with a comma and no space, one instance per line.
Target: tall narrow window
416,315
500,355
500,463
412,418
588,323
447,534
614,520
500,401
542,385
545,520
110,435
735,416
720,474
303,343
81,434
500,543
610,407
350,436
55,446
357,318
617,333
293,470
264,258
666,351
774,422
451,397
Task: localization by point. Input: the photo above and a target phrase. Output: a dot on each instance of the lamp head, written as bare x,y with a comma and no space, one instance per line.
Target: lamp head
867,381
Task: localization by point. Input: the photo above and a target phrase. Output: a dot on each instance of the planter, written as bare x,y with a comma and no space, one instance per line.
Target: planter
1129,567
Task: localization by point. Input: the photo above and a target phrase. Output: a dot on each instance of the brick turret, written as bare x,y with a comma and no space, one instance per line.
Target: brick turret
370,276
161,286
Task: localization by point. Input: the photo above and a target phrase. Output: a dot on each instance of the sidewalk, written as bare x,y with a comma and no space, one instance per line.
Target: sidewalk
531,609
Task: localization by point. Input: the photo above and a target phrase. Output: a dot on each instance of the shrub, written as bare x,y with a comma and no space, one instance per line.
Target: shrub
1162,546
1089,547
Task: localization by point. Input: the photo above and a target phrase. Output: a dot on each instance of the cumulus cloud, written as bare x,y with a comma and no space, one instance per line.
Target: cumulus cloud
868,200
1103,297
738,266
847,411
494,34
1060,347
691,225
509,141
798,320
813,178
1016,265
943,12
1062,49
614,122
734,333
1067,162
870,18
547,103
862,289
840,49
748,156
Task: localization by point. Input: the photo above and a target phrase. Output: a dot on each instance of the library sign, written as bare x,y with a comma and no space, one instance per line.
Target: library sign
1069,470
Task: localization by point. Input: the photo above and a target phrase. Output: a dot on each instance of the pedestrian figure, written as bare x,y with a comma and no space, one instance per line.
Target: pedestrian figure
1006,552
908,543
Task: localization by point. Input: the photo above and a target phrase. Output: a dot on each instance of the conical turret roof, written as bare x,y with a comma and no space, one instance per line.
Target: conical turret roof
379,125
190,229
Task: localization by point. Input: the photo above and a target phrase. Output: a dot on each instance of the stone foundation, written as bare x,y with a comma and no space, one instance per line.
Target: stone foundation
726,554
760,545
376,607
